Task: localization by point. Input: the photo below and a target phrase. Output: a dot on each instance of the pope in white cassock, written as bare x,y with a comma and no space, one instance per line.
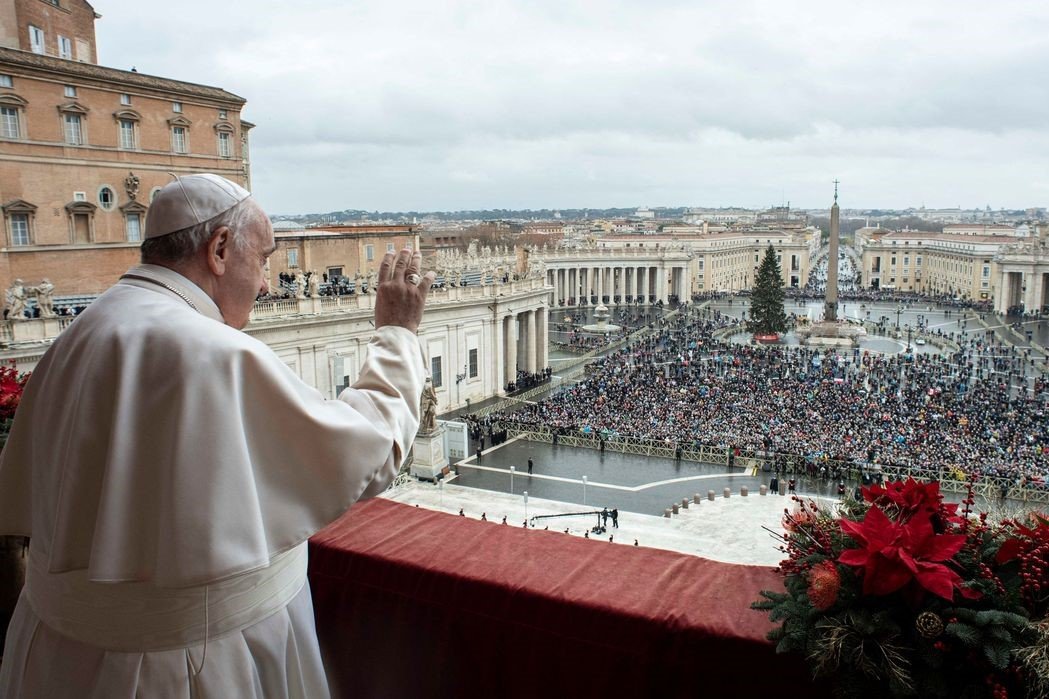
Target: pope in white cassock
183,467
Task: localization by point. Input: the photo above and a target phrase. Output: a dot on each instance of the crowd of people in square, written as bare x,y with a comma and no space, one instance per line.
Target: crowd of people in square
980,409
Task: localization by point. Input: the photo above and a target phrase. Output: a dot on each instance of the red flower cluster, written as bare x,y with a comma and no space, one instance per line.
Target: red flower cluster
11,386
908,498
1029,544
894,553
824,583
869,567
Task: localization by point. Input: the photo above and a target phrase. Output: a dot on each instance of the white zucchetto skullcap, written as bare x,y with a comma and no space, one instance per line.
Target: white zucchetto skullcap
189,200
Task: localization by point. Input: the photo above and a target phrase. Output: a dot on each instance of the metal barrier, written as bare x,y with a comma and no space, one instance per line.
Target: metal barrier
625,445
990,487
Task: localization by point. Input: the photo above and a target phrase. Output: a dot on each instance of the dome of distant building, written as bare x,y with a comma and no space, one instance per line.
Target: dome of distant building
286,225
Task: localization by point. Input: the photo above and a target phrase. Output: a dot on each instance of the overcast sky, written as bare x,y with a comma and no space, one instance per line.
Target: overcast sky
450,105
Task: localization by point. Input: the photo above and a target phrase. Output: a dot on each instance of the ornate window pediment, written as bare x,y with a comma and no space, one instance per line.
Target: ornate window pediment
11,100
133,207
127,115
18,206
81,207
72,108
179,121
224,127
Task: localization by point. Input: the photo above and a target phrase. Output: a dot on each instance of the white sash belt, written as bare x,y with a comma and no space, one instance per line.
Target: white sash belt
141,617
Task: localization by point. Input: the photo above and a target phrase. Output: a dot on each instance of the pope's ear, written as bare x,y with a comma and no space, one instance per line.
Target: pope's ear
218,250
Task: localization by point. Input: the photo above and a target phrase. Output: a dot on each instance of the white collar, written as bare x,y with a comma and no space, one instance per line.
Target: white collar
176,284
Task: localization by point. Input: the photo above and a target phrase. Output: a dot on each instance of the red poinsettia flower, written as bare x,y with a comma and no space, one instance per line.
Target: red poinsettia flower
893,554
910,497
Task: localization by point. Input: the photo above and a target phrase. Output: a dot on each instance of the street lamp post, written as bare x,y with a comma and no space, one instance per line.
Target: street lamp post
908,326
512,469
899,310
584,490
526,505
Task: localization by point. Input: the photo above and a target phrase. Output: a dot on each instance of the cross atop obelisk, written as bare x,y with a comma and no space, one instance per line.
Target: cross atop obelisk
830,306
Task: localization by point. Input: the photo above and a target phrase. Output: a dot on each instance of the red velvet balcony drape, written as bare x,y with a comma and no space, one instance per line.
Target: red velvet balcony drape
415,603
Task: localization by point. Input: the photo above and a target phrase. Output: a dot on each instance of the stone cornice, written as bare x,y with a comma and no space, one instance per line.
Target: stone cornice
66,69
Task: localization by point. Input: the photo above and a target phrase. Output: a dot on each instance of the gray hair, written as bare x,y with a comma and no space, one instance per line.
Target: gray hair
181,245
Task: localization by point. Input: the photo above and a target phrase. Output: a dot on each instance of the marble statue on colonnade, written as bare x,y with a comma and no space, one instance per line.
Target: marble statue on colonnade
45,298
428,408
315,284
16,295
300,286
428,459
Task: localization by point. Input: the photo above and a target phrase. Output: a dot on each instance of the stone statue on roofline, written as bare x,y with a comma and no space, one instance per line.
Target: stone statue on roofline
45,298
16,301
315,284
300,285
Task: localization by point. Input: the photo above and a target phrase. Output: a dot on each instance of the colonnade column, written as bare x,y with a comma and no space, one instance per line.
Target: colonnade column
510,333
498,329
1032,297
599,289
530,342
661,283
542,338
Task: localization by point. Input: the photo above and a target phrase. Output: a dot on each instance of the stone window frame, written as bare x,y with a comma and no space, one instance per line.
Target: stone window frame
224,128
135,118
81,208
437,371
19,207
19,104
33,45
64,42
79,110
180,122
134,208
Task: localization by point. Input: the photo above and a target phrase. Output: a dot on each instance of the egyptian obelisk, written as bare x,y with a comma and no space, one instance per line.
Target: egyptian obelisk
830,306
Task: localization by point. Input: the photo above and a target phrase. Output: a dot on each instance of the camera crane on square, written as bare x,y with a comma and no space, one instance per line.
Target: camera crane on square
598,528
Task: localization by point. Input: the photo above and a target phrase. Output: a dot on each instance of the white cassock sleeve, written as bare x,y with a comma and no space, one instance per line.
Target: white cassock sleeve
191,452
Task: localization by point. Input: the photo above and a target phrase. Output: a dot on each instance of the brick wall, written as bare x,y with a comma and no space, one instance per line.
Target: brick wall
42,169
83,271
73,19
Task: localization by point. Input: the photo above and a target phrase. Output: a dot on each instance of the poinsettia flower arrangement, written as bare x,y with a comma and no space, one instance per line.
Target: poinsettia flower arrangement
11,386
903,594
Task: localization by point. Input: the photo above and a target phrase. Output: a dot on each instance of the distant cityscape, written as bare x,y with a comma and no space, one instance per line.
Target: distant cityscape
684,214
